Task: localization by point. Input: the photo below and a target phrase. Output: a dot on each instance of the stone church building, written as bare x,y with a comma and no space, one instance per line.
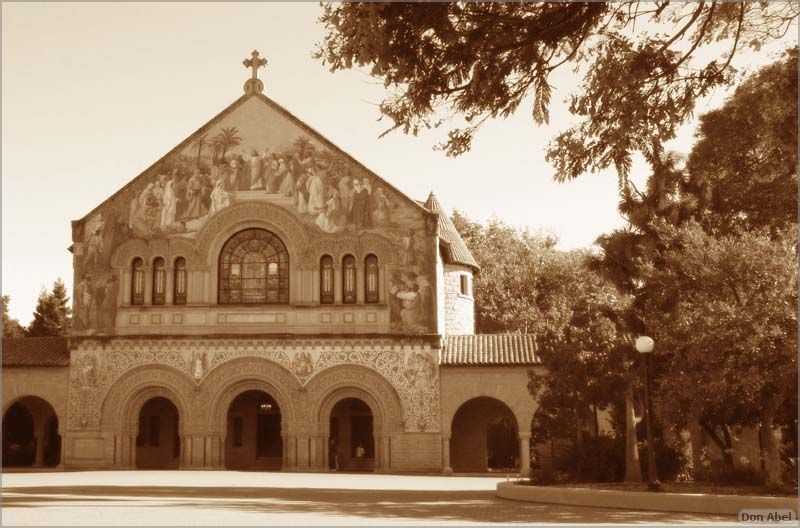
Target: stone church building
259,299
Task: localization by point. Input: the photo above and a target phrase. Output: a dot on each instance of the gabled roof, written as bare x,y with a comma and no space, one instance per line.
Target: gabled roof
455,250
35,352
489,349
205,128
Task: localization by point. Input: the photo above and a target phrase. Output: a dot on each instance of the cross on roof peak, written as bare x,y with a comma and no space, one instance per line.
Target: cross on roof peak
254,84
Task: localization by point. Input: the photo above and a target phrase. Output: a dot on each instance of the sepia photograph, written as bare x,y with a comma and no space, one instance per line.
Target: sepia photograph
399,263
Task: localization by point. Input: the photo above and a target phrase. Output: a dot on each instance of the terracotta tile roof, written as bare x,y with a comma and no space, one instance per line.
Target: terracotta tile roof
456,251
35,352
489,349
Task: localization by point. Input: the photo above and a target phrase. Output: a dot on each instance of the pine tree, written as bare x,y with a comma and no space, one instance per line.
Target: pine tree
52,314
11,326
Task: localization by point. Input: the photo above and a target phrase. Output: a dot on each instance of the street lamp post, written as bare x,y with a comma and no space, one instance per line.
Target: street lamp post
645,346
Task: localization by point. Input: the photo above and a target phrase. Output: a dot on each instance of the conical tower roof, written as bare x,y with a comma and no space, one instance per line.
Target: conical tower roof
455,251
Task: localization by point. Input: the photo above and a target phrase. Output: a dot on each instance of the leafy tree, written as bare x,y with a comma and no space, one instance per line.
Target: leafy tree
526,285
722,187
588,357
640,61
744,164
724,312
228,137
514,289
52,314
11,326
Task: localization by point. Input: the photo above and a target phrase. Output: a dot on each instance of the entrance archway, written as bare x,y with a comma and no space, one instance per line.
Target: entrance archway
484,437
158,444
30,434
352,439
254,432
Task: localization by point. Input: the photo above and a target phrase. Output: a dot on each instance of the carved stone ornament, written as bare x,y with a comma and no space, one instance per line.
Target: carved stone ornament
201,370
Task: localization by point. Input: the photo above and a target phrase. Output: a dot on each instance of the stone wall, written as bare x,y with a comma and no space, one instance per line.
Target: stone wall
47,383
459,309
508,384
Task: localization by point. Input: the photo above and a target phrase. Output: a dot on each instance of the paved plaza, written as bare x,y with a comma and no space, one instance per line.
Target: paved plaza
251,498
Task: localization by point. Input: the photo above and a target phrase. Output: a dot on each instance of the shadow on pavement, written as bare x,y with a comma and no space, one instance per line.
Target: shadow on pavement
468,506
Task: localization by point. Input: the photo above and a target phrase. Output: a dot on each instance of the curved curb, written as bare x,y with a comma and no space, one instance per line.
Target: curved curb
643,500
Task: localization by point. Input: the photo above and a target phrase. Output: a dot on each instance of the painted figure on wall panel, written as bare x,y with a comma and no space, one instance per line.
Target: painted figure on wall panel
222,167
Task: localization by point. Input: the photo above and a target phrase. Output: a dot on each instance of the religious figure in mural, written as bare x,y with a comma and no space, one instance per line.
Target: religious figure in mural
316,193
169,204
94,247
254,172
381,215
332,218
87,371
420,371
108,308
302,364
198,364
83,300
360,212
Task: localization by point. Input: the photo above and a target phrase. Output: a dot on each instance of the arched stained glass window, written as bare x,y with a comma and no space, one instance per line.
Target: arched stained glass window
371,279
137,282
326,280
254,269
349,279
179,282
159,281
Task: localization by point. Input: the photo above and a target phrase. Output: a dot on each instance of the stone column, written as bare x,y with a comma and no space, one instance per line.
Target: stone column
184,458
301,456
169,287
118,450
377,441
312,452
446,469
131,449
208,460
524,454
386,452
326,443
62,441
291,451
39,438
217,446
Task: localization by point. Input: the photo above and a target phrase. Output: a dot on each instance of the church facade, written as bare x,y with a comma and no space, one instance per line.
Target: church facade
258,299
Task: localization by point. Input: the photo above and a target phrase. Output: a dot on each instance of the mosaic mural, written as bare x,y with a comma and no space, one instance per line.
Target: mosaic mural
254,153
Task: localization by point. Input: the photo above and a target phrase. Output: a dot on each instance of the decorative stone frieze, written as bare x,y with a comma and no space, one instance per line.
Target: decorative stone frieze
209,366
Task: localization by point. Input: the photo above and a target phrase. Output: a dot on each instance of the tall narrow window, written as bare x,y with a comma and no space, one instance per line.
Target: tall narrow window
326,280
464,285
349,279
159,281
137,282
371,279
179,282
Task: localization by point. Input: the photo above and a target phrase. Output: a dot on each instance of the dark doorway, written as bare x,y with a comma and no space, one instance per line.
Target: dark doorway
484,437
158,442
30,434
254,432
352,446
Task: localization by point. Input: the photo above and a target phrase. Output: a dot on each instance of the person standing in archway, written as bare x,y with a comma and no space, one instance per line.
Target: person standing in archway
333,457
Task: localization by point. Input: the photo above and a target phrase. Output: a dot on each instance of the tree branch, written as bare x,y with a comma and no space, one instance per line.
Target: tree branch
683,30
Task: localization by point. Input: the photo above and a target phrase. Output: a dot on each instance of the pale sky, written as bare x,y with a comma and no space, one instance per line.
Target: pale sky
94,93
